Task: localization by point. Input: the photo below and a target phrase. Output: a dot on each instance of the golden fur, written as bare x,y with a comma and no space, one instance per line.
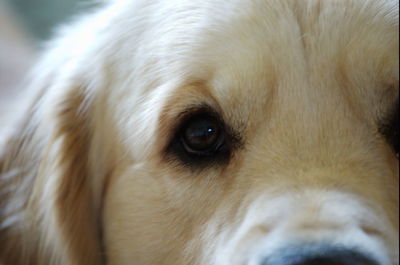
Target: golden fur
88,179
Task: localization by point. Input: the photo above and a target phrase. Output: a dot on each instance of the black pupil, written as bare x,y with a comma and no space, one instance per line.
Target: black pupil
201,134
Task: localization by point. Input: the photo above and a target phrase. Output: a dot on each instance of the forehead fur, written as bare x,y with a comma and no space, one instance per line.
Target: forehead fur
199,39
314,40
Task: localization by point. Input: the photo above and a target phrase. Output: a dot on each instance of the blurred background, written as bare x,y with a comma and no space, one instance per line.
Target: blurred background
24,26
38,17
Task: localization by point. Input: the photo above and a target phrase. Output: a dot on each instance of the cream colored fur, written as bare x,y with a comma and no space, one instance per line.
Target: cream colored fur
86,180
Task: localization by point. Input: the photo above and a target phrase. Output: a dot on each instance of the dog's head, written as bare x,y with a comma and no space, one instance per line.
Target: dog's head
216,133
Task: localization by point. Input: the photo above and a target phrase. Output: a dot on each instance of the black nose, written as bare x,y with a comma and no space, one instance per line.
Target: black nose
343,260
319,256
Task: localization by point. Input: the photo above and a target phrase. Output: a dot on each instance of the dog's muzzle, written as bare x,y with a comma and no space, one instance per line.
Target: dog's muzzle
310,228
319,255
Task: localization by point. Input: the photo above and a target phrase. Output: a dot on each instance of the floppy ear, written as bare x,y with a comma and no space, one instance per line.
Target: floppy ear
50,216
77,218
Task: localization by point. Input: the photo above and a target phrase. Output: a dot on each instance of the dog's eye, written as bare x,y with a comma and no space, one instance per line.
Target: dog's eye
202,140
202,135
390,128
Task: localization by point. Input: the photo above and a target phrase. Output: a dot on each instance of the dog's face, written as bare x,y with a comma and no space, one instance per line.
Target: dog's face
254,137
229,133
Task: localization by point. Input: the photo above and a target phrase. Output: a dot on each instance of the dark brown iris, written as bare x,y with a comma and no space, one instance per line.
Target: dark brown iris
202,139
201,134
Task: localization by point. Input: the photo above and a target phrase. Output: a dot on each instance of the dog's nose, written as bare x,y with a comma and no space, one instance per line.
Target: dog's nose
323,256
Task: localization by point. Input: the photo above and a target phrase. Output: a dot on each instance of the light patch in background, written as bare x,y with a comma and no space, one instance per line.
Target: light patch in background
17,54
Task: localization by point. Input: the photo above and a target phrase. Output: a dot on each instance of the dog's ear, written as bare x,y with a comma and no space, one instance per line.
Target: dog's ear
50,216
75,210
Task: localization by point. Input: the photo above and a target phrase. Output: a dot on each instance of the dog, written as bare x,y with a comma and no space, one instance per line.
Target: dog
209,133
